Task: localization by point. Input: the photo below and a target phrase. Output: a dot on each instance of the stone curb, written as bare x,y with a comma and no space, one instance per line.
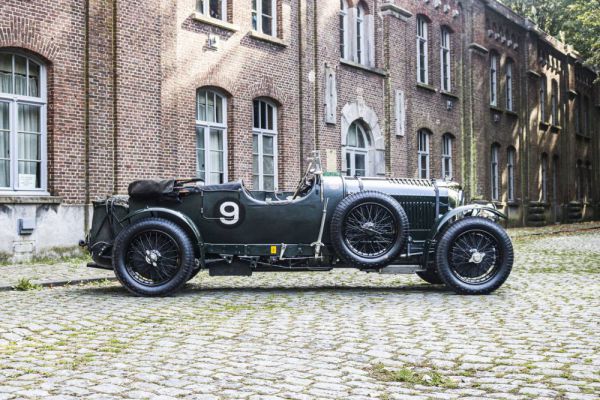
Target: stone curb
50,284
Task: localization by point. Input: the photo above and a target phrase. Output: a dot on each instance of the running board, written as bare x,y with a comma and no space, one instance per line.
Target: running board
401,269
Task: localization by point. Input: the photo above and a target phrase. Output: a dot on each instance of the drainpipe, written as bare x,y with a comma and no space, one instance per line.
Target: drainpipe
115,106
86,89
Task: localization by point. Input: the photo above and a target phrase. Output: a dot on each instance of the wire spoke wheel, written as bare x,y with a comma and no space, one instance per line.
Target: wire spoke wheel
370,230
153,257
474,256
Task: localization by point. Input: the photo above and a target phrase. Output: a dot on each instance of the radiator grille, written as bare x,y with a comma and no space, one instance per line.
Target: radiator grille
421,214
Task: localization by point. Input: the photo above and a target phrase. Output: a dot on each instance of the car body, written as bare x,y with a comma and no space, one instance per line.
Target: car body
374,224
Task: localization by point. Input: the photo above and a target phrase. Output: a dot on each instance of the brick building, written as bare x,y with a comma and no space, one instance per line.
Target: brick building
96,93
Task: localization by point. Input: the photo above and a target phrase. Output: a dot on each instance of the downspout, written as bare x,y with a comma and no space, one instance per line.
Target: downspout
300,82
86,89
316,75
115,106
387,96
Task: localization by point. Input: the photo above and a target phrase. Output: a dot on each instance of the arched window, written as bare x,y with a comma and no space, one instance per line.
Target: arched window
423,153
422,55
544,176
494,79
447,156
213,8
211,136
343,20
23,158
445,60
358,143
509,85
361,42
543,98
510,169
264,145
264,16
494,173
554,102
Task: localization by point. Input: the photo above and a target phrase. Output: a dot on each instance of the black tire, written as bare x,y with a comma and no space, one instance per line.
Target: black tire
477,237
430,275
194,273
140,257
352,231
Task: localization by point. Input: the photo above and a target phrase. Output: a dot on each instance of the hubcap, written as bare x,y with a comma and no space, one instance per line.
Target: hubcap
153,258
474,257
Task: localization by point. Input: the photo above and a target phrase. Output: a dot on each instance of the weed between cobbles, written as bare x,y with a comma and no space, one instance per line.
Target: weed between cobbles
411,376
25,284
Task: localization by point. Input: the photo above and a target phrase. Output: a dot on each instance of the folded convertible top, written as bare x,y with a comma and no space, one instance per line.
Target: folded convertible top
150,188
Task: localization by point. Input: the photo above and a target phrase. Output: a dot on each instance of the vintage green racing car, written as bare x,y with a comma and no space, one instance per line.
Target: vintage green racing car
165,232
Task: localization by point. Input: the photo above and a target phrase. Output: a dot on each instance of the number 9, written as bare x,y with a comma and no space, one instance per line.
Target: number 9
230,212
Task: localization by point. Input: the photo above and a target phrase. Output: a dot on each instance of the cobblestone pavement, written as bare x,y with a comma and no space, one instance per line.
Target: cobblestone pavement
338,335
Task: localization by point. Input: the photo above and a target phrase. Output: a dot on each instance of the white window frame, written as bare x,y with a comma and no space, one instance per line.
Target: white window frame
207,127
14,101
261,133
544,177
400,113
510,168
422,32
445,60
494,79
423,138
354,150
447,156
494,173
361,51
257,10
509,86
343,37
203,7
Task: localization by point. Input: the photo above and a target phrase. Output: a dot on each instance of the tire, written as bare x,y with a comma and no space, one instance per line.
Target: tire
352,232
477,237
430,276
194,273
140,261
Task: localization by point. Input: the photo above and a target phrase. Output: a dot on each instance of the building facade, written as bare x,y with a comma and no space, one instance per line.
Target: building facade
96,93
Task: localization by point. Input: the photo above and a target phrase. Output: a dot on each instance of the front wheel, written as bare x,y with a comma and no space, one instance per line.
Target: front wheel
153,257
474,256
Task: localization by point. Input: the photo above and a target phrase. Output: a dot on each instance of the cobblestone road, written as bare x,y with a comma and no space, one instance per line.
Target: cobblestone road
339,335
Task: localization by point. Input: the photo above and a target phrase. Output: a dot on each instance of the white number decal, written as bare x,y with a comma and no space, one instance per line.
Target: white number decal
230,212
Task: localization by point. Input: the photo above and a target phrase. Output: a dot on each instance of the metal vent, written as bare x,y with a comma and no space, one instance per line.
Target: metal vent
411,181
421,214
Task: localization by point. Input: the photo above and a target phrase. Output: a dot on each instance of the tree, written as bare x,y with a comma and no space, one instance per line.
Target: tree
577,22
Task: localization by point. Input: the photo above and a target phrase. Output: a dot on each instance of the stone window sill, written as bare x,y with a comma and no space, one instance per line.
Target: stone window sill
215,22
363,67
449,94
33,199
512,113
268,38
496,109
426,87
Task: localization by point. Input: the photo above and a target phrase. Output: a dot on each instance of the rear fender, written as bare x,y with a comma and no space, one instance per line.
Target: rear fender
177,217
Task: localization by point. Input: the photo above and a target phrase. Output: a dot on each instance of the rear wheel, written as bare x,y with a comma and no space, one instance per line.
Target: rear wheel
369,229
474,256
153,257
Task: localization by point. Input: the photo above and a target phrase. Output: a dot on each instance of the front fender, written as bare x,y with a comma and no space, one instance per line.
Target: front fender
183,220
442,222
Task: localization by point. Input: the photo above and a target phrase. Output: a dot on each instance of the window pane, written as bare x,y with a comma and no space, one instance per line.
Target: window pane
255,144
210,107
255,165
256,121
4,121
201,158
263,115
270,113
201,99
359,162
267,7
20,75
348,164
268,165
267,27
29,118
34,79
216,139
216,7
29,175
4,146
269,183
6,73
219,109
351,140
268,145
